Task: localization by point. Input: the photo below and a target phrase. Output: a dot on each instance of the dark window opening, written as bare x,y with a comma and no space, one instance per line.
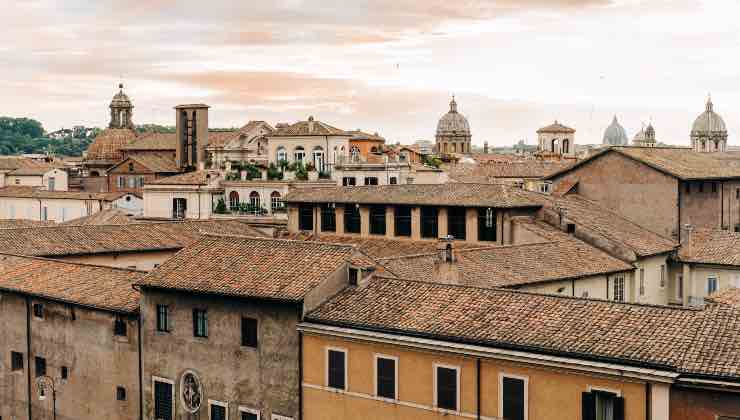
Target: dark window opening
305,217
163,318
38,310
701,187
371,180
386,380
337,365
714,187
353,276
40,365
456,222
162,401
429,228
179,208
377,220
64,372
570,228
403,220
352,222
16,361
200,323
218,412
249,332
248,416
120,393
119,327
513,398
349,181
328,218
600,405
393,180
688,188
447,388
487,225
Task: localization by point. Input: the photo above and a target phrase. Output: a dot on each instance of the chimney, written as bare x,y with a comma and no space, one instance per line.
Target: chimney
485,147
689,229
445,264
310,124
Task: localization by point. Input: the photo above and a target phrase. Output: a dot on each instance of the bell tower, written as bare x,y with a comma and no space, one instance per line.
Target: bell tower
121,110
192,135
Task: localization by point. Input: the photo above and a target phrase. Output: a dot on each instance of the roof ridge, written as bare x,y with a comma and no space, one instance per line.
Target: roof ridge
226,235
477,248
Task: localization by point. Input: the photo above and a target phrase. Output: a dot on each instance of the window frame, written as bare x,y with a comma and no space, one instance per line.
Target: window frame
454,223
435,219
525,379
39,361
16,364
619,282
457,369
712,279
120,388
303,210
482,220
159,379
120,329
376,357
374,219
403,221
244,409
329,215
641,288
199,315
349,217
255,345
38,310
224,405
165,319
280,417
346,368
662,276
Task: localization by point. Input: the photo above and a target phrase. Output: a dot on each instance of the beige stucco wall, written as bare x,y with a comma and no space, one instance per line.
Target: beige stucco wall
142,260
58,210
696,276
327,143
158,202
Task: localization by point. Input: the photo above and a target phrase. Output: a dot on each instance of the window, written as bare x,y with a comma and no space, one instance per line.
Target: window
305,217
17,181
200,323
642,282
386,376
662,276
737,194
486,225
234,201
163,324
276,201
618,289
570,228
318,159
16,361
513,401
299,154
402,220
711,285
336,372
40,366
371,180
352,220
120,393
130,167
328,217
688,188
349,181
254,201
393,180
179,207
163,399
218,410
64,372
38,310
249,332
679,287
354,275
119,327
446,386
602,405
701,187
141,181
248,414
282,155
377,220
456,222
429,222
355,153
714,187
52,183
121,181
44,213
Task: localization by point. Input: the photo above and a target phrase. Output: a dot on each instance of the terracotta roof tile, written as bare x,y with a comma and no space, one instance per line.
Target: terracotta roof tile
112,216
692,342
729,296
491,172
187,178
556,128
23,223
711,246
16,191
108,145
87,285
455,194
303,128
153,141
251,267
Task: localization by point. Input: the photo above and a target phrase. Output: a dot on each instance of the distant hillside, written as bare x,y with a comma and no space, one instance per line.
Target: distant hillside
25,135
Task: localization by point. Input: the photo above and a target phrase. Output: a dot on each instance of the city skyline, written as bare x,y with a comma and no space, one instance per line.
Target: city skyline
380,67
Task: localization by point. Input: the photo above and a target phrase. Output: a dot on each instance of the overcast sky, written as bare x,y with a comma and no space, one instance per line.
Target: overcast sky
378,65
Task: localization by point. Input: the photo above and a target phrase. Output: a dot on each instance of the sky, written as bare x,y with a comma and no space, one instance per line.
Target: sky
387,66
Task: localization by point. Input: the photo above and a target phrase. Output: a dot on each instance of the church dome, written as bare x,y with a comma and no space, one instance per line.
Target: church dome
615,135
120,99
709,122
108,145
453,123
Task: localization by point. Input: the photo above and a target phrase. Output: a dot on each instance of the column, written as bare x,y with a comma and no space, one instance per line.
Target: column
416,223
442,222
364,221
659,401
339,214
471,225
390,226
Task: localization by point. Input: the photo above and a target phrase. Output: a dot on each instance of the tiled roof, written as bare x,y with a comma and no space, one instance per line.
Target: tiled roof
514,265
155,162
692,342
87,285
611,225
682,163
303,128
100,239
556,128
711,246
490,172
188,178
251,267
153,141
359,135
108,145
16,191
22,223
18,165
220,138
454,194
729,296
112,216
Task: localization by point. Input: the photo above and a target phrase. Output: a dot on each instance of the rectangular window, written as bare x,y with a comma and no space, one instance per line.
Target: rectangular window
662,276
352,221
402,220
249,332
429,222
40,365
305,217
349,181
218,410
16,361
371,180
248,414
336,375
141,182
714,187
354,275
711,285
38,310
487,225
52,183
179,208
679,287
618,294
44,213
688,188
163,400
132,182
328,218
163,318
456,222
377,220
446,386
200,323
642,282
64,372
513,403
386,376
602,405
120,393
121,182
393,180
119,327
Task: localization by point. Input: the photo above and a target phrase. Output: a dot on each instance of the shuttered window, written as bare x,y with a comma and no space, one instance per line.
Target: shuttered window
386,377
162,401
218,412
305,217
446,392
512,397
249,332
337,369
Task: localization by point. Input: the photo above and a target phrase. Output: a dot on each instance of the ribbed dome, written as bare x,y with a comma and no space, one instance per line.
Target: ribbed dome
120,99
645,135
453,123
709,122
615,134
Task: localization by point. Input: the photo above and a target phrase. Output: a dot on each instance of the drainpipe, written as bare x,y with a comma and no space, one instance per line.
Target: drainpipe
141,373
300,375
477,387
28,353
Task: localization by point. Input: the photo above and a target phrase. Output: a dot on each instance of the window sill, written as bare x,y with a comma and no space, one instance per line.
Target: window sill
447,411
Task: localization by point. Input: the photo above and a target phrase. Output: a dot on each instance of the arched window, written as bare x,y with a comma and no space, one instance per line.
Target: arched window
355,152
234,200
94,173
318,158
276,201
374,150
566,144
554,146
299,154
254,200
282,154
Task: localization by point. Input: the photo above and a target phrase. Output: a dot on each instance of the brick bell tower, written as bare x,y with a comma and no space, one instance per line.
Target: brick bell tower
192,135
